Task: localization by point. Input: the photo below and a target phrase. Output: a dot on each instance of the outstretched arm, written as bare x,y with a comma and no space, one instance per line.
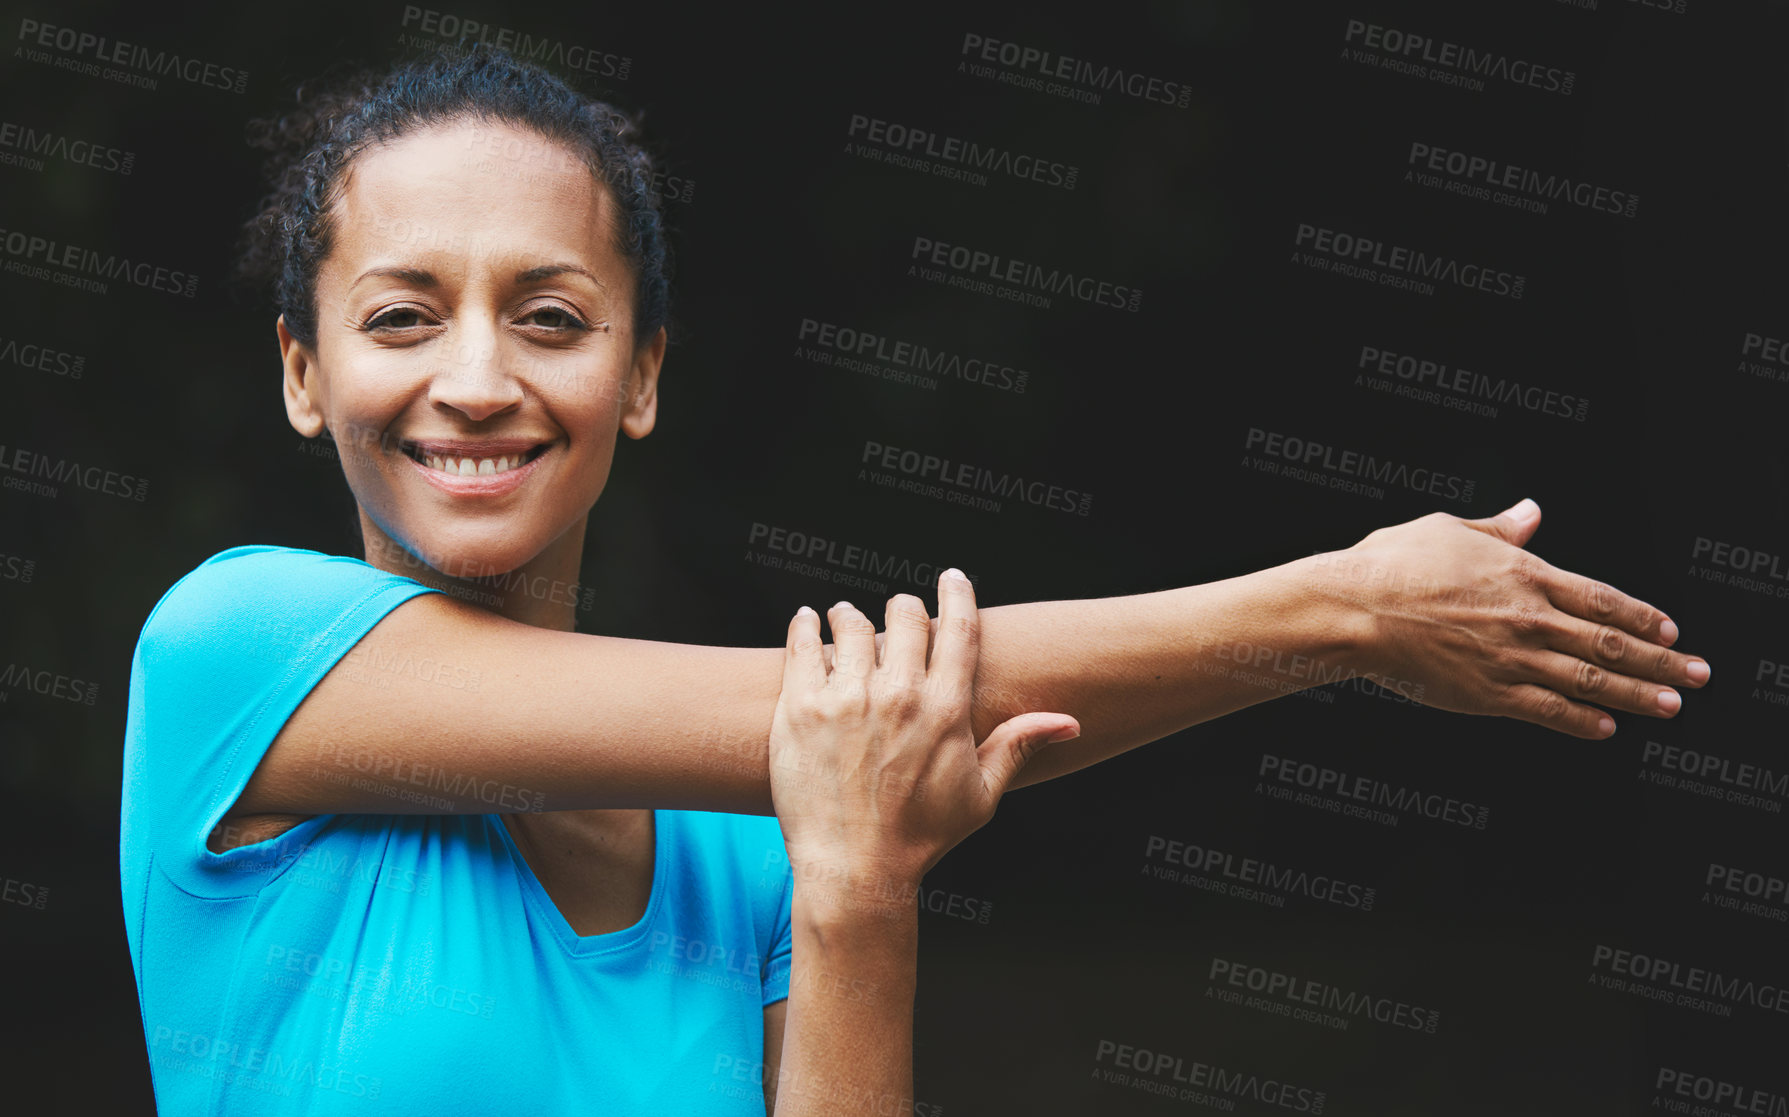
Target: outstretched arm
1451,612
1448,612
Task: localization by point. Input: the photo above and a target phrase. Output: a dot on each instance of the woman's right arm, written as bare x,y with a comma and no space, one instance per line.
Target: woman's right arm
876,775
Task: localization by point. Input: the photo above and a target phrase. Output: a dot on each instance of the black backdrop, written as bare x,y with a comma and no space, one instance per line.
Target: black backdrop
1262,145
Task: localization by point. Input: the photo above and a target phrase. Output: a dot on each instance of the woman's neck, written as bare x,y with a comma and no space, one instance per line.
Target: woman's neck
542,592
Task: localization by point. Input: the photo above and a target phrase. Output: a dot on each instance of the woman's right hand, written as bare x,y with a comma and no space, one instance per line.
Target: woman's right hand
874,774
874,769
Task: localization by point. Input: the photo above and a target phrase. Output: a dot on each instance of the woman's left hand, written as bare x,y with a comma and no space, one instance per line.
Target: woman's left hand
1464,619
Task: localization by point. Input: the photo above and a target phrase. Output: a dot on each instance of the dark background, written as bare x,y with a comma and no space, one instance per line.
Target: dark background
1645,316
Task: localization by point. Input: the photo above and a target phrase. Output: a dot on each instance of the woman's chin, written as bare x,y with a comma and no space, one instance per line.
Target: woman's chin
474,554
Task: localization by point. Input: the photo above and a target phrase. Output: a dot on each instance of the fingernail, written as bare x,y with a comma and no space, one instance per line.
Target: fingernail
953,572
1066,733
1523,509
1606,726
804,611
1668,632
840,605
1697,671
1669,701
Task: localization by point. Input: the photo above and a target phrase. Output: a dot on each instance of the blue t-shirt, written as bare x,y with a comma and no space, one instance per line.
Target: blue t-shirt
407,963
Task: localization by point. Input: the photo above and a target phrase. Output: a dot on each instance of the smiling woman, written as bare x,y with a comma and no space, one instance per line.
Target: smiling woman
392,828
533,304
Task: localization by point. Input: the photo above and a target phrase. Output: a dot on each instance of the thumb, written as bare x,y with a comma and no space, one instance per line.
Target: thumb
1514,524
1015,741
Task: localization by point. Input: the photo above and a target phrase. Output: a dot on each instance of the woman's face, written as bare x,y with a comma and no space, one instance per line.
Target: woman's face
475,354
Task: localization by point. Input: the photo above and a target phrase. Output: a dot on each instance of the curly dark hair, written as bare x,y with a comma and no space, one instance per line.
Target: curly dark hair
335,120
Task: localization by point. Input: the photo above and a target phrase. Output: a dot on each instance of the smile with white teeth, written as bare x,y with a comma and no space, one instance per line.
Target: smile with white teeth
473,467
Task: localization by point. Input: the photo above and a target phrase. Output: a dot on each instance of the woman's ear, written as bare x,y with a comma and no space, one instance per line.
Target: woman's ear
639,411
299,363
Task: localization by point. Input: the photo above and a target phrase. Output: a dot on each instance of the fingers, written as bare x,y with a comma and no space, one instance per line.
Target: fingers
958,645
1514,524
853,641
1553,710
1014,742
908,628
1608,646
803,668
1602,603
1585,681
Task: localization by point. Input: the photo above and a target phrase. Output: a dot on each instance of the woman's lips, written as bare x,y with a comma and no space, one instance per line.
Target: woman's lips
445,465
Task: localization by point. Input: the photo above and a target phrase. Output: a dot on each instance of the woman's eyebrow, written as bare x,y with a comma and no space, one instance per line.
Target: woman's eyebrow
549,271
416,277
420,277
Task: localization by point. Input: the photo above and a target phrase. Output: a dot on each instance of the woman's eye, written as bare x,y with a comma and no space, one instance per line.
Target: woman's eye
555,318
396,318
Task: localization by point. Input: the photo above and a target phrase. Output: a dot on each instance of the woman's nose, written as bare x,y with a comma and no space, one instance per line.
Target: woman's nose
475,380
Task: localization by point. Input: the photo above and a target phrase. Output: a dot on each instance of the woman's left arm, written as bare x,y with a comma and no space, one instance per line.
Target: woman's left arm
1453,613
1449,612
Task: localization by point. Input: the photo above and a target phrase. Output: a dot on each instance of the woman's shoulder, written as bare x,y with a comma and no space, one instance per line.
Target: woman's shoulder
270,582
255,564
251,610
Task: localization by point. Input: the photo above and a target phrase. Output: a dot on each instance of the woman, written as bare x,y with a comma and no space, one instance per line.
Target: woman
380,841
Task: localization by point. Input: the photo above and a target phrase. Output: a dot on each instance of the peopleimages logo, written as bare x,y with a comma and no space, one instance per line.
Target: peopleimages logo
50,684
1714,777
1655,978
33,255
1737,566
16,569
1350,469
1363,793
1160,1072
1773,678
41,357
21,465
1765,893
1415,54
921,149
964,481
1764,356
1077,79
843,558
1394,265
1336,1006
1672,7
847,348
993,274
35,146
454,30
24,893
1746,560
287,1073
1219,870
1474,176
1716,1092
108,54
1459,389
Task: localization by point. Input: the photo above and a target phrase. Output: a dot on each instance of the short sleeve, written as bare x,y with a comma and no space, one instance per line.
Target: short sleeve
224,659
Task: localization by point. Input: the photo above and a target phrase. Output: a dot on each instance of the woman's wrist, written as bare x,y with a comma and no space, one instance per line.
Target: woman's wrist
845,893
852,984
865,948
1332,593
